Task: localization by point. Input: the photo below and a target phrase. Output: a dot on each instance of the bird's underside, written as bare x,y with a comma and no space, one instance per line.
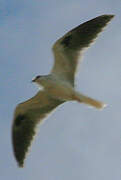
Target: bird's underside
67,51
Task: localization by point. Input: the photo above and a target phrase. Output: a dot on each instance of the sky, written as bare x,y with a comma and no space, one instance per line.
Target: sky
75,142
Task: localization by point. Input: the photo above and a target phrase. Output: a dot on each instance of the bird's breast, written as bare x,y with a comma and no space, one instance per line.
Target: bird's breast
59,90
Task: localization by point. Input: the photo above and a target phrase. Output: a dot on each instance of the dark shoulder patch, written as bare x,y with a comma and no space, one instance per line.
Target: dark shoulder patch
66,41
19,119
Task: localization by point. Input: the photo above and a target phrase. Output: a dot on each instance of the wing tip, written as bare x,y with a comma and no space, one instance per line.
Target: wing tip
20,164
19,161
108,17
105,18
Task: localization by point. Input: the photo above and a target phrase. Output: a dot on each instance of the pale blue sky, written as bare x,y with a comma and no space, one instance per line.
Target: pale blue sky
76,142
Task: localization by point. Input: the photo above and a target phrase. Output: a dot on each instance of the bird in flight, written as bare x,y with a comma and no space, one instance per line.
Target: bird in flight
58,86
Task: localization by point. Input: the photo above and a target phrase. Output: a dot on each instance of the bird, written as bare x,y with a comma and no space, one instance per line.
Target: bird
58,85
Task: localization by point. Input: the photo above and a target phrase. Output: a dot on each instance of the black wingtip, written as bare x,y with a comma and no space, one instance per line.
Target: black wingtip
108,16
20,165
20,162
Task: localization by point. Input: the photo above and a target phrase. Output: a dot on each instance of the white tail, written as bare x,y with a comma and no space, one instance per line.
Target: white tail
89,101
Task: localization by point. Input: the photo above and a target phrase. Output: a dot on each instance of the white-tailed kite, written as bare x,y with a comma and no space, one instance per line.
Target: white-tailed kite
58,86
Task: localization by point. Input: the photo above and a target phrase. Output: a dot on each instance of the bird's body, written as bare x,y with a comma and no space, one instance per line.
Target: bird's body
58,86
63,90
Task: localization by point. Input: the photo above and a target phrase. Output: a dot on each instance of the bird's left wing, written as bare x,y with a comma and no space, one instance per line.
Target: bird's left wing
27,115
68,49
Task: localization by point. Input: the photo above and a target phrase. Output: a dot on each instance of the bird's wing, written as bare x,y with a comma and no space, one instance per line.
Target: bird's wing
27,115
68,48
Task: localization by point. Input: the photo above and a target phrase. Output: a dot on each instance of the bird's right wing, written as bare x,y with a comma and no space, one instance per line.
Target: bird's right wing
27,115
67,50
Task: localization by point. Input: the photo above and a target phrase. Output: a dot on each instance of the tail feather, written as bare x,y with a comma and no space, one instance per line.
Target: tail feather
89,101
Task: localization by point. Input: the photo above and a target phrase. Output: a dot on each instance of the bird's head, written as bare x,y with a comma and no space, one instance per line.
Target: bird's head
37,79
40,80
